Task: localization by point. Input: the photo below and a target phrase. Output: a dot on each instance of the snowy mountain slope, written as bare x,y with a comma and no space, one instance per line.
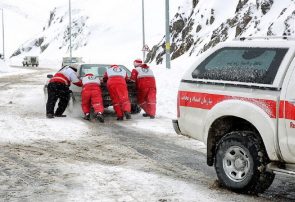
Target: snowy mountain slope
199,24
21,21
103,31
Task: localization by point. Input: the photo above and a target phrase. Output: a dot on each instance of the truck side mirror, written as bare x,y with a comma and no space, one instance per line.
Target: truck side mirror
49,76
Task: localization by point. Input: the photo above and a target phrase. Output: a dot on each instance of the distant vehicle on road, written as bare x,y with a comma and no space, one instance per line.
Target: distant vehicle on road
31,61
71,60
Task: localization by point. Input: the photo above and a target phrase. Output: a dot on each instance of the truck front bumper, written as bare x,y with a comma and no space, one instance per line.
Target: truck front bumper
176,126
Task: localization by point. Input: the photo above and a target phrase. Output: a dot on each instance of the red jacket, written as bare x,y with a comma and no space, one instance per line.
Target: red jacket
66,76
115,75
144,77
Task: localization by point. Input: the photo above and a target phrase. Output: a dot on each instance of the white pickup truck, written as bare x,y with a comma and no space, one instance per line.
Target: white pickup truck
239,99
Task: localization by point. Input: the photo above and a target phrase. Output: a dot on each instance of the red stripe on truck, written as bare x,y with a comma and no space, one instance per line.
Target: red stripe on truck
290,110
207,101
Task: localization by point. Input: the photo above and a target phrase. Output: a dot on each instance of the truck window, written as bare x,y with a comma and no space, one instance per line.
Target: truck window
250,65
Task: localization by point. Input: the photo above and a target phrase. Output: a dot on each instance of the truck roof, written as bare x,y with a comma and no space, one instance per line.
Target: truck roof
262,42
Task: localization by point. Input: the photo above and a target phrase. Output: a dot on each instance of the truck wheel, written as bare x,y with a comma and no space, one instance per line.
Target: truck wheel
240,163
135,109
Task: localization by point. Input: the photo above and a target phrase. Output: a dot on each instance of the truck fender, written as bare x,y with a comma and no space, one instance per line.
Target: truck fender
253,113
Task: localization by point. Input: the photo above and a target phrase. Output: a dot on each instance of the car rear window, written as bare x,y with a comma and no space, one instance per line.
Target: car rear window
98,69
250,65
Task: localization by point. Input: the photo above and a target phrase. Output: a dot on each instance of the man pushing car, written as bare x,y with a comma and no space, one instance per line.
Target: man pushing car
146,89
116,83
91,96
58,89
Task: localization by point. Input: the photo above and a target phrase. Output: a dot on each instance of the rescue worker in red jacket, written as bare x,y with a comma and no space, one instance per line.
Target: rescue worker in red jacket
116,83
91,96
146,89
58,88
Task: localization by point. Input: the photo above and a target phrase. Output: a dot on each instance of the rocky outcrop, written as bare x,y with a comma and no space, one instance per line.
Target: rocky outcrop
197,28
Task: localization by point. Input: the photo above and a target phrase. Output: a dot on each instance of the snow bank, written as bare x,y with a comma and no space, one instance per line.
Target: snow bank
4,67
6,70
168,81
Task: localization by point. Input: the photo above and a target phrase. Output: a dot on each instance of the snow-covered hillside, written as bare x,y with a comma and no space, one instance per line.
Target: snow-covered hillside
21,22
102,31
200,24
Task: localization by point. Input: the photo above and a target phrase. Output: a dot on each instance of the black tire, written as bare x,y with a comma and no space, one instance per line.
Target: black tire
135,109
72,104
240,163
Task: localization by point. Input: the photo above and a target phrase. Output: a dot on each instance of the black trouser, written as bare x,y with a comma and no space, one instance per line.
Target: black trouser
57,91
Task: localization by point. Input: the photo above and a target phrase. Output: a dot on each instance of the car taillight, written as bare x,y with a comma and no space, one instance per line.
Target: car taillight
178,112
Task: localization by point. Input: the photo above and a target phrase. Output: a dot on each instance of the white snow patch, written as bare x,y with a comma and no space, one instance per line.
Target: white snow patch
114,183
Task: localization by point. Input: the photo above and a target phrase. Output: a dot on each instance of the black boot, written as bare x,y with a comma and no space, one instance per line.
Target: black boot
145,115
127,115
87,116
49,116
60,115
99,117
120,119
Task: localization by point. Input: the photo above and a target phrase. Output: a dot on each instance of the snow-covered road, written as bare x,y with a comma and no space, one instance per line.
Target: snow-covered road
69,159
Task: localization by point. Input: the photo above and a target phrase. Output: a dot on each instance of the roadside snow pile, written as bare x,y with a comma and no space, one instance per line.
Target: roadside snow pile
6,70
168,81
4,67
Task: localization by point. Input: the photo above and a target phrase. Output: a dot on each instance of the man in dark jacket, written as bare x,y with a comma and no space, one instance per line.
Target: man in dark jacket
58,88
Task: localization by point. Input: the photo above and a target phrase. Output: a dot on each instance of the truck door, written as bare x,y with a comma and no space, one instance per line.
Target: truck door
287,117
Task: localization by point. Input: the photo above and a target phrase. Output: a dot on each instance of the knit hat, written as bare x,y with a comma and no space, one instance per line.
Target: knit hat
89,74
137,62
114,66
144,66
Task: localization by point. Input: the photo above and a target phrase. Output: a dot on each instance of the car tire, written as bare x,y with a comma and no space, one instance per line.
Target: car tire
72,104
135,109
240,163
45,93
